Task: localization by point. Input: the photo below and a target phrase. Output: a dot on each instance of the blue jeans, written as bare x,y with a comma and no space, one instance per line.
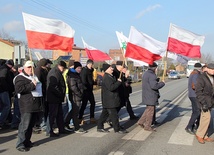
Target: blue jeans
25,129
16,114
5,107
69,106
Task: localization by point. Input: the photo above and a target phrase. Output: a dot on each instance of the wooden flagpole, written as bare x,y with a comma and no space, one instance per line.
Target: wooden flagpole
165,66
124,61
30,54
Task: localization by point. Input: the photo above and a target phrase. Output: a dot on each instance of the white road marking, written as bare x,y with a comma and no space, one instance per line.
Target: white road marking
180,136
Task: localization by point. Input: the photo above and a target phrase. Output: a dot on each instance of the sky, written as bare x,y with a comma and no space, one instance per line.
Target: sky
96,21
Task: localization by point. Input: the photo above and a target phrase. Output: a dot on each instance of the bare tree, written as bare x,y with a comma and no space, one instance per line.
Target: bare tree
5,35
206,58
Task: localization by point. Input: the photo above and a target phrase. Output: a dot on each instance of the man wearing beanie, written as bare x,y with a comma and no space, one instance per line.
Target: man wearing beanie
41,72
195,117
110,100
55,97
204,95
75,89
88,95
150,96
68,105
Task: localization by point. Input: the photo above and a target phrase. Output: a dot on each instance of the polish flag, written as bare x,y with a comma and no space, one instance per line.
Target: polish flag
48,34
123,40
95,54
143,47
184,42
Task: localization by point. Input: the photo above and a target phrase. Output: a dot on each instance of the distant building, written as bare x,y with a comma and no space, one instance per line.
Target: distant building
6,49
77,53
116,55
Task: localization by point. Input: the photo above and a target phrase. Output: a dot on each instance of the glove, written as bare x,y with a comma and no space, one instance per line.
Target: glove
205,108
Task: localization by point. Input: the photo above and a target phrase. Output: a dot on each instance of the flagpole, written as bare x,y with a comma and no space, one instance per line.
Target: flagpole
165,62
30,54
124,62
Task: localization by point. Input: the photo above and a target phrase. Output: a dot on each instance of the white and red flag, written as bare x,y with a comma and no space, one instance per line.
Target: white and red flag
143,47
184,42
95,54
48,34
123,40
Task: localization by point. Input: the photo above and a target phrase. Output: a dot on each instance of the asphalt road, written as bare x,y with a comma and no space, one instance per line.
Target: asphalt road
170,139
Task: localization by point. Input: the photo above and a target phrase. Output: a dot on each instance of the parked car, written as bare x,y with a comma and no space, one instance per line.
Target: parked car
174,75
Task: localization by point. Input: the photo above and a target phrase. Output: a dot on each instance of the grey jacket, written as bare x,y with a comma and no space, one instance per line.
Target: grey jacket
150,88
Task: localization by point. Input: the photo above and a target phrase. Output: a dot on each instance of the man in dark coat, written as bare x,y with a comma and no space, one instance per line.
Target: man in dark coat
6,89
75,95
123,89
88,95
150,95
205,96
41,72
55,97
28,87
195,117
110,100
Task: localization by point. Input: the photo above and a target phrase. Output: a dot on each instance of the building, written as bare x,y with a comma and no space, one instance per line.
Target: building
77,53
6,49
116,55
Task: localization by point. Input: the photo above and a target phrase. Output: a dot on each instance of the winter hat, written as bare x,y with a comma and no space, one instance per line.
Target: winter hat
62,63
10,62
197,65
42,62
105,67
77,64
210,66
70,63
154,65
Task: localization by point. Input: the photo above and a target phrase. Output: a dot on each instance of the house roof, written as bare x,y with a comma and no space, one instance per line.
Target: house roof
6,42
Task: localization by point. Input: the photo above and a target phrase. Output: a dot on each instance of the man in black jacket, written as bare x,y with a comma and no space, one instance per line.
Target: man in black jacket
205,96
123,89
55,97
110,100
6,89
88,95
28,87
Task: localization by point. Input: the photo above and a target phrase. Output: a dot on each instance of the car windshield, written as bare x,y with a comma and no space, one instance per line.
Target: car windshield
173,73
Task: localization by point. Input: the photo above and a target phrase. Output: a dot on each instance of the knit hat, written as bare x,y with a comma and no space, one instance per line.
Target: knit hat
105,67
70,63
42,62
62,63
77,64
197,65
210,66
10,62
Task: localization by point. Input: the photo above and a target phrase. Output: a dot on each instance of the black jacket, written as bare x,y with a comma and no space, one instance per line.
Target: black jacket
204,91
109,91
27,102
75,86
6,79
150,88
42,73
55,86
87,78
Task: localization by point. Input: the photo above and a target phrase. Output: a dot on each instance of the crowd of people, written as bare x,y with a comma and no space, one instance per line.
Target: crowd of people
45,98
36,98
